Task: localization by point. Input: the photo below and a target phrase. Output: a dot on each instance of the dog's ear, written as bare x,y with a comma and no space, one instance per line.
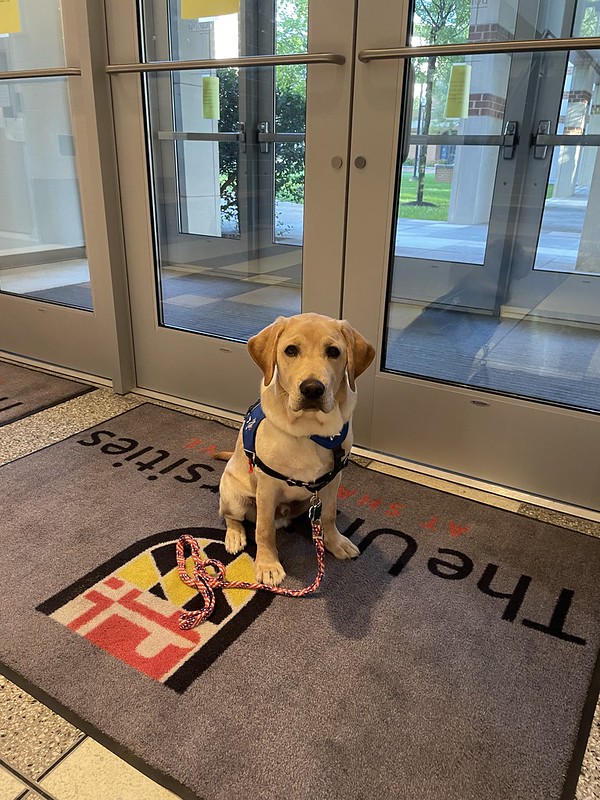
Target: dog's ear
263,347
359,352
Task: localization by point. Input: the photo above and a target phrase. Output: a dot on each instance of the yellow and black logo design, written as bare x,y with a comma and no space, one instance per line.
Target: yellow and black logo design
130,607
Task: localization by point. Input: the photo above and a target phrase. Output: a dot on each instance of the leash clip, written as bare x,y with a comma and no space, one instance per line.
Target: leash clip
314,515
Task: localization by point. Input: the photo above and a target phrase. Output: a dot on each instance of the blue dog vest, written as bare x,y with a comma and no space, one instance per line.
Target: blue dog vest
255,415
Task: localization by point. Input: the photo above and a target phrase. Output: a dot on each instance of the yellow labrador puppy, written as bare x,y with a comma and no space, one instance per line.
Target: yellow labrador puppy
297,438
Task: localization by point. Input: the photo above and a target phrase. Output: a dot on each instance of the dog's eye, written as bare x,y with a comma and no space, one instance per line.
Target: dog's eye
333,352
291,350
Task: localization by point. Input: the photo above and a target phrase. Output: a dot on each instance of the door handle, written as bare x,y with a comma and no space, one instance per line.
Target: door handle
543,139
217,63
49,72
198,136
478,48
540,145
265,136
507,140
511,139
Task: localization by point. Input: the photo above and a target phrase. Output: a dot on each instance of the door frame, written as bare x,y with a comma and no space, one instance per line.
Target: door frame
97,342
541,449
167,359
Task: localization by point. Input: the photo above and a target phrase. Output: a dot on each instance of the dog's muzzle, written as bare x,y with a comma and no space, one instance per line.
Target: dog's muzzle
312,392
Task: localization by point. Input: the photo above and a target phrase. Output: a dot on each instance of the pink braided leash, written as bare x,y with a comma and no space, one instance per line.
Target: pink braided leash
206,583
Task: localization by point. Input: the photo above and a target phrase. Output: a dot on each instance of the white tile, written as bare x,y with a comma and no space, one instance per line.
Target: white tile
267,280
92,772
271,296
189,300
44,276
10,787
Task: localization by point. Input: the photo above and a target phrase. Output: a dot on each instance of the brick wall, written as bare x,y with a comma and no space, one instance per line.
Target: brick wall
486,105
493,32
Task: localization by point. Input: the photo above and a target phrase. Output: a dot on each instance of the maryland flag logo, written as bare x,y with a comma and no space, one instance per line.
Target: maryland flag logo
130,607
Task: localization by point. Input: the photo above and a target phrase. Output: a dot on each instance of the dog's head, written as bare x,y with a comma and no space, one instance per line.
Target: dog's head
310,356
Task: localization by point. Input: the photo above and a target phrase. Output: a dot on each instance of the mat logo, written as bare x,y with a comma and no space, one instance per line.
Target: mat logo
130,607
396,509
453,565
155,462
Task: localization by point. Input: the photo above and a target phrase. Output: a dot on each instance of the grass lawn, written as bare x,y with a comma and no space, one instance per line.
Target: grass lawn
435,192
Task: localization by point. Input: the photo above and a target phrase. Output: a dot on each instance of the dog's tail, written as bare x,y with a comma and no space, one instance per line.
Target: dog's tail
223,455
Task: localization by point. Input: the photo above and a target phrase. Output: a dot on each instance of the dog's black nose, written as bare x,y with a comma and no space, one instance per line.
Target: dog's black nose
312,389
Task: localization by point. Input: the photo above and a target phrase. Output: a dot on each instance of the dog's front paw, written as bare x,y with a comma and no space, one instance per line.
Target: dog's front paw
271,573
341,546
235,540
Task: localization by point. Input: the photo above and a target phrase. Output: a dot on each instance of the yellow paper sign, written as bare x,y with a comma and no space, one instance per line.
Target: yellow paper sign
210,98
196,9
457,101
10,22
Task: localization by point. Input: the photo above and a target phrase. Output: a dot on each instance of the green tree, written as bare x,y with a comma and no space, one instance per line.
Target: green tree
436,22
291,36
229,151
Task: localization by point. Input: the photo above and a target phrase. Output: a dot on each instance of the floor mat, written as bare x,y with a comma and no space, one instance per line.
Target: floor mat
456,658
25,391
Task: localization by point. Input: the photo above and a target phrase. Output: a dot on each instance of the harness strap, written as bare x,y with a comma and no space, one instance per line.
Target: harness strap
312,486
255,415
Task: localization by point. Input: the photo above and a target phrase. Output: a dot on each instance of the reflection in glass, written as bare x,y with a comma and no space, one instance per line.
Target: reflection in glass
42,247
290,120
228,207
436,22
495,280
39,43
570,237
445,188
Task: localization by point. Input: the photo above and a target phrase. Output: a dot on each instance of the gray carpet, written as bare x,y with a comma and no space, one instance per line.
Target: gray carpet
527,358
77,295
24,391
455,659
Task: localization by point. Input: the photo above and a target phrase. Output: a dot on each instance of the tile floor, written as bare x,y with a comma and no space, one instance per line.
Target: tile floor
43,755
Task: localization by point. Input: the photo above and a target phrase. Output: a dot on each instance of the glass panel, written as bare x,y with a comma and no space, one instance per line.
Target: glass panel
42,246
206,172
39,41
440,22
445,189
569,236
290,118
527,357
228,208
495,278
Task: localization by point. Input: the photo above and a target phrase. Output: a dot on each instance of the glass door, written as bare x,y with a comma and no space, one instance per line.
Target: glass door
221,168
221,97
57,300
487,318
